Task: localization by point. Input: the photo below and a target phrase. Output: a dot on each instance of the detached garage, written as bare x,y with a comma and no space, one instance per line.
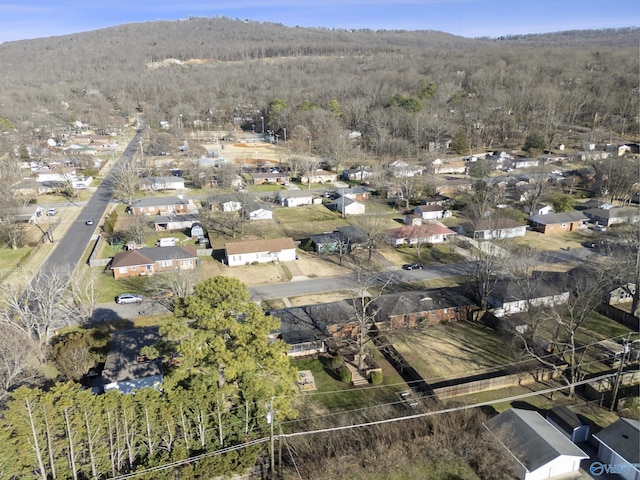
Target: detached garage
538,449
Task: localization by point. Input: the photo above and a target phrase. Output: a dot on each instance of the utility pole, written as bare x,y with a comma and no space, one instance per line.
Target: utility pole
616,387
271,420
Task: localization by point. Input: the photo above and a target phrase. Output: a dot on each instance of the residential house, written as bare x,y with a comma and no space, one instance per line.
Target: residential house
611,216
346,238
161,206
441,167
260,251
514,297
453,186
558,222
29,186
426,307
277,177
148,261
162,183
493,228
308,329
525,162
618,447
568,423
164,223
428,232
346,206
125,368
539,209
319,176
401,169
431,212
622,294
252,207
538,449
359,194
296,198
357,174
436,199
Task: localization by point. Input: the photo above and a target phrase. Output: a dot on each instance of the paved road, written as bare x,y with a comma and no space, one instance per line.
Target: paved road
349,282
69,249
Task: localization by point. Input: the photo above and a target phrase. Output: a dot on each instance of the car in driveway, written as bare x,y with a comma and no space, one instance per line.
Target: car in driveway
413,266
128,298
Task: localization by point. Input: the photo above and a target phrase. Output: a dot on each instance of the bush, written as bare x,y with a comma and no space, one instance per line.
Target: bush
375,377
336,363
344,375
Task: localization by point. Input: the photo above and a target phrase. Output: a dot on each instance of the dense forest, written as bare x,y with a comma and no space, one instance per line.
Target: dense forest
403,90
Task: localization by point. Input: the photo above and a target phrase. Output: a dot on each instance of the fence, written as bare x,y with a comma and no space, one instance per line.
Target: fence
620,316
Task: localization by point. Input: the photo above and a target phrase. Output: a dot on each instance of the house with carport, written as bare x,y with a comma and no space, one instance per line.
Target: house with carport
296,198
492,229
611,216
260,251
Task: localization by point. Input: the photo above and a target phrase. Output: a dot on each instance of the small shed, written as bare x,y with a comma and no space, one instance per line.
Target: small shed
196,230
568,423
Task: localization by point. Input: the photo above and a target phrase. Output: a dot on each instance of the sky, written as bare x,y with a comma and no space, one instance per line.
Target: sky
25,19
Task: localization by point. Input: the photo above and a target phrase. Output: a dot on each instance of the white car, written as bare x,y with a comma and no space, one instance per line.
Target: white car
600,228
128,298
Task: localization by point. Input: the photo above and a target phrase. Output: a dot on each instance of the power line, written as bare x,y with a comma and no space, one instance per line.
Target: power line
284,436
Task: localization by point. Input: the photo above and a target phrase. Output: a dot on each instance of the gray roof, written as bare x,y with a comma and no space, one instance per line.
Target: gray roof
158,201
540,286
623,437
618,212
531,439
419,301
296,194
311,322
168,253
562,217
185,217
122,360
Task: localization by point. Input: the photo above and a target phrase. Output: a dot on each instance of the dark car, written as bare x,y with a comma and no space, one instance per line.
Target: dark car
128,298
413,266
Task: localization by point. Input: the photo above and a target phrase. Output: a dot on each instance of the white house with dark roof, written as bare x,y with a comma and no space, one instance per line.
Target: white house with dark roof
162,183
493,228
295,198
260,251
538,449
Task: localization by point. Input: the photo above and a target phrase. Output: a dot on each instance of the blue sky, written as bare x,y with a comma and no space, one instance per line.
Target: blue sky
23,19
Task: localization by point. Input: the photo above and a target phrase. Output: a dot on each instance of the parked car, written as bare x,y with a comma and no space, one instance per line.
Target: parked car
51,212
599,228
413,266
128,298
89,222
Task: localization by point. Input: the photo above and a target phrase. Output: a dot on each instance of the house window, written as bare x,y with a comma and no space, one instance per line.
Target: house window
165,263
134,268
564,225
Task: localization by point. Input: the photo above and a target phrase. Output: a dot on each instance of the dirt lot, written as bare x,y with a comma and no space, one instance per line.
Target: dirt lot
452,351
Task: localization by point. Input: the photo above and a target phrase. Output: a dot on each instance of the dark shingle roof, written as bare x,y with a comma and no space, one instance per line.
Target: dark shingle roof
531,439
311,322
562,217
122,360
148,256
158,202
623,437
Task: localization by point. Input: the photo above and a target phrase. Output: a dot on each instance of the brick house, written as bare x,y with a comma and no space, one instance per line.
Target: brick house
427,232
263,178
161,206
558,222
412,309
147,261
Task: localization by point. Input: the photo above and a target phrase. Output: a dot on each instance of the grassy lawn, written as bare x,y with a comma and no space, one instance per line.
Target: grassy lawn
299,222
452,350
9,258
265,188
